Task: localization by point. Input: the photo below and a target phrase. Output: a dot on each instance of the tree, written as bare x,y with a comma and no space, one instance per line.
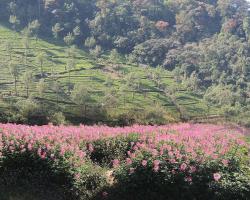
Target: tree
12,7
70,65
27,80
90,42
81,96
56,29
26,43
77,31
56,87
27,108
114,56
110,99
34,26
96,52
246,27
69,39
41,58
9,49
71,52
14,71
157,75
109,81
14,21
133,80
58,118
71,62
219,95
123,91
41,88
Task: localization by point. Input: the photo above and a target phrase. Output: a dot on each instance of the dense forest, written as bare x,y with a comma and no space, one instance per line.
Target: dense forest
204,43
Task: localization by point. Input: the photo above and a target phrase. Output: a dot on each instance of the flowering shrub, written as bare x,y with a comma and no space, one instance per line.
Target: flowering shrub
182,161
34,156
108,149
188,165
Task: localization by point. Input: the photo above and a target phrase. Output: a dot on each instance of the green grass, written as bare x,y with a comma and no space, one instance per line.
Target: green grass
88,73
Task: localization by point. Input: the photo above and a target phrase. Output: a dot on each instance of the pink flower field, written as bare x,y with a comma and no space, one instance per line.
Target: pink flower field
210,138
192,153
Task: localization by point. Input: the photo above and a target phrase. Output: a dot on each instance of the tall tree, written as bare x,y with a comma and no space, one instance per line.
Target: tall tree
56,29
34,27
81,96
26,44
41,88
9,49
69,39
27,80
41,58
14,71
14,21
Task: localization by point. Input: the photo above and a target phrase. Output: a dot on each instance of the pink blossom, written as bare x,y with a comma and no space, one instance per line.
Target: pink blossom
144,163
156,162
156,168
192,169
217,176
183,167
128,161
225,162
30,147
90,148
116,163
77,176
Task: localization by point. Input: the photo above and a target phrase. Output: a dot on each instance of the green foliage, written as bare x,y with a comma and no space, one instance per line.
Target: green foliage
43,178
138,181
27,80
90,42
204,43
106,150
69,39
58,119
56,29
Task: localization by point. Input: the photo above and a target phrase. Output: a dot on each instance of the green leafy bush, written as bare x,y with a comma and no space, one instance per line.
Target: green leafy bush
53,176
157,173
106,150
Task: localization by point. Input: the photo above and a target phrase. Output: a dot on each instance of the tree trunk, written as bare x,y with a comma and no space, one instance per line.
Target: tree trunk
26,61
69,76
41,66
85,110
57,98
15,85
27,92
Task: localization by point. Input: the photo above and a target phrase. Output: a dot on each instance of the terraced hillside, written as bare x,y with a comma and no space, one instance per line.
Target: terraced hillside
113,84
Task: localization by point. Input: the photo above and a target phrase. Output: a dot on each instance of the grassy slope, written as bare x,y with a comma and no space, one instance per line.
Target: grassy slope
88,73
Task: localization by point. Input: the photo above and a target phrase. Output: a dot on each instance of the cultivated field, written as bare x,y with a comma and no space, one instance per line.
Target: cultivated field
99,75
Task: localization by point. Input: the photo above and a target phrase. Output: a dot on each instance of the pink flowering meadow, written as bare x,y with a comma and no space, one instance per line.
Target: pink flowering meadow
211,141
191,153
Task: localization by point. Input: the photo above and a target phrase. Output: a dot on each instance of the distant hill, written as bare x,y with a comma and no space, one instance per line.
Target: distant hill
123,62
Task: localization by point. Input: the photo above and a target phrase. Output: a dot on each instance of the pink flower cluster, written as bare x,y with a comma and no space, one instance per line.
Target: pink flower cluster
182,143
185,149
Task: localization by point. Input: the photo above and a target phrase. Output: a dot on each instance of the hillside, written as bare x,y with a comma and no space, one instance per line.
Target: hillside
124,62
100,76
